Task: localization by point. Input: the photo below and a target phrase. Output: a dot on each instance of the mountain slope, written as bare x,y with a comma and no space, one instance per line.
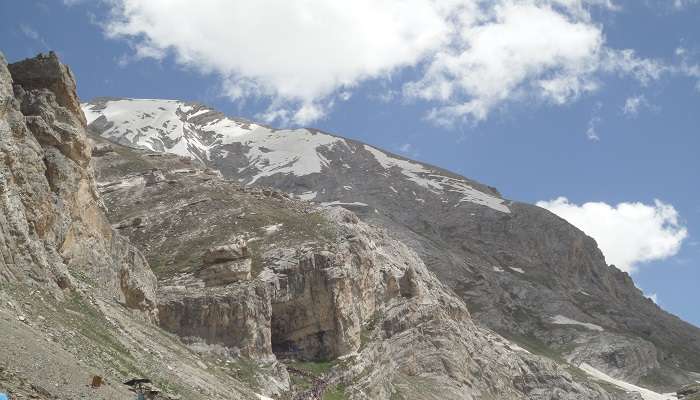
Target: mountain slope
344,306
522,271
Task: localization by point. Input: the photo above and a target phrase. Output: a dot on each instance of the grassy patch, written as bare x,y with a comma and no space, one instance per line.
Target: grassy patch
316,368
535,346
335,393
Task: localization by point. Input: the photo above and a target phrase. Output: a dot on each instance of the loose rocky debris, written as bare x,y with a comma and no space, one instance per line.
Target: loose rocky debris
689,392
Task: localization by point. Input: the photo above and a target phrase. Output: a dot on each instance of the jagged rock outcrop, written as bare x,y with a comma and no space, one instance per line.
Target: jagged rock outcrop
235,317
689,392
77,300
55,227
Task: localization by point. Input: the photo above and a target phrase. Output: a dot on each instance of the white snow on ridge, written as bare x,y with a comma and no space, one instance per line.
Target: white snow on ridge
470,194
436,183
307,195
645,393
291,151
340,203
140,121
562,320
165,125
408,168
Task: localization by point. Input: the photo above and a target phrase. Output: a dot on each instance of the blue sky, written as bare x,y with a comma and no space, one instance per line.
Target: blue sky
598,103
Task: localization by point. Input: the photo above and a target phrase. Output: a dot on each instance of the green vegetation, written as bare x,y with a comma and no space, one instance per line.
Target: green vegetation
660,379
91,324
535,346
335,393
316,368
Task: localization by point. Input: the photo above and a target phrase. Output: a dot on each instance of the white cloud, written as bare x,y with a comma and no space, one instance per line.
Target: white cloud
518,46
628,234
634,104
32,34
681,4
298,52
592,130
29,32
471,55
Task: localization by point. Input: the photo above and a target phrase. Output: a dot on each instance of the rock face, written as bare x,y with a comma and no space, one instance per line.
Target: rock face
522,271
77,299
226,264
54,223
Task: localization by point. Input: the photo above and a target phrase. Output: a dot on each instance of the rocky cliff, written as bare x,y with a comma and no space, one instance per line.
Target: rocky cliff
77,299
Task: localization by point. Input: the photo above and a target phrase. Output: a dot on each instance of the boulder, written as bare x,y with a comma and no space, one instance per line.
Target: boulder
226,273
230,252
154,177
100,149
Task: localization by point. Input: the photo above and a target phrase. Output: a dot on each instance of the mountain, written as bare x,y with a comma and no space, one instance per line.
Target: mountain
522,271
126,270
191,258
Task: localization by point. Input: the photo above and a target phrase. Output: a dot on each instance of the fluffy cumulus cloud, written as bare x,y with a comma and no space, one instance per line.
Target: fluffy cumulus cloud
468,56
628,234
300,53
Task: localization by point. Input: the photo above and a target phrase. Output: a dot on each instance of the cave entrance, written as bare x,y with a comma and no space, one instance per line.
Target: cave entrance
303,331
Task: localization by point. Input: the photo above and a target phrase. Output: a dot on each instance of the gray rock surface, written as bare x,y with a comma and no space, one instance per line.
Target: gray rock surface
77,299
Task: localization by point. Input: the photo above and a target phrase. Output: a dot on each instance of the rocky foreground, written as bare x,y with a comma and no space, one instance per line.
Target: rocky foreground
120,263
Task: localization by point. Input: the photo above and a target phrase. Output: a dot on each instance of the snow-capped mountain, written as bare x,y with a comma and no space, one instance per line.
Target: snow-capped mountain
194,130
523,272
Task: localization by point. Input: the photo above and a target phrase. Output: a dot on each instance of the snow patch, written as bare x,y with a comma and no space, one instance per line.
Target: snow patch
438,184
307,195
293,152
198,113
515,347
166,126
340,203
498,269
645,393
470,194
408,169
562,320
518,270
